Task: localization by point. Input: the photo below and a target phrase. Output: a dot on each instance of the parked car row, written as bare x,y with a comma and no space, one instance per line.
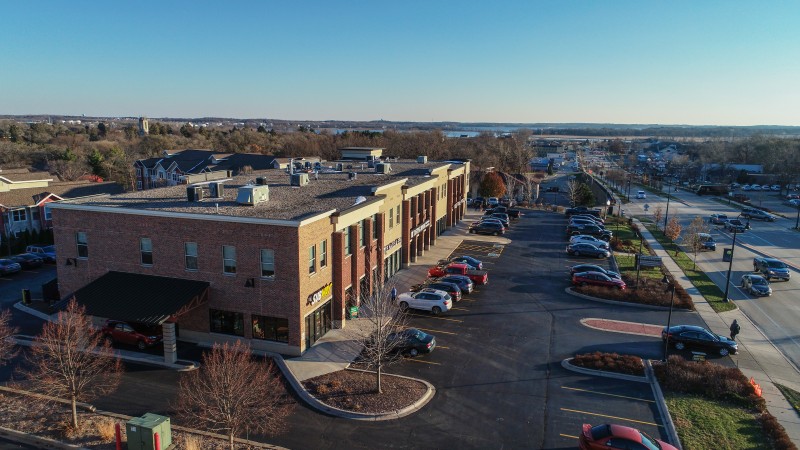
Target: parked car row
495,221
758,187
23,261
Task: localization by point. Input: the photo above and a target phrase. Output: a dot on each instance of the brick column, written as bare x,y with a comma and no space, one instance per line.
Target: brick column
450,201
368,254
407,251
381,255
356,260
434,212
338,267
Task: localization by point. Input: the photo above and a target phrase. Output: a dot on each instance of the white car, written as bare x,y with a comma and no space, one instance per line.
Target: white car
493,202
776,188
747,187
590,240
432,300
641,194
755,187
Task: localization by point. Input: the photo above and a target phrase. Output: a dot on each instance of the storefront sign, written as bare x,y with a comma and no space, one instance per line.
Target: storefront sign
321,294
391,245
420,228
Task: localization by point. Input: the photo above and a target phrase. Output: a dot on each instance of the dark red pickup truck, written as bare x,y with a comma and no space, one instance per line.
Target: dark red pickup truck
477,276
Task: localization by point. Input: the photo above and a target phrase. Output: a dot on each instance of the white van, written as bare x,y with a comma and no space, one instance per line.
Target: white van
641,194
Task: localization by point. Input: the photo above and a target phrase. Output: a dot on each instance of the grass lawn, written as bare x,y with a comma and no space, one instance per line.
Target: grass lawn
710,424
707,288
791,395
624,232
627,265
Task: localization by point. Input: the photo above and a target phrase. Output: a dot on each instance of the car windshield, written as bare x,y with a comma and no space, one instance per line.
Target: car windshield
776,264
759,280
649,442
416,334
50,249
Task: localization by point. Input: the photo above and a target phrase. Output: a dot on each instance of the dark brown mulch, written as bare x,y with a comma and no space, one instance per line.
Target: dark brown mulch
610,362
354,391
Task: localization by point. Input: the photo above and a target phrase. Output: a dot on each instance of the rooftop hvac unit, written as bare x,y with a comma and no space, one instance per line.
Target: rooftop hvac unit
383,168
371,163
216,190
261,181
194,193
351,175
422,159
299,179
339,167
252,195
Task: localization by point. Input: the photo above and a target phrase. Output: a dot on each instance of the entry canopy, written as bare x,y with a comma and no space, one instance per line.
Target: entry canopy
137,298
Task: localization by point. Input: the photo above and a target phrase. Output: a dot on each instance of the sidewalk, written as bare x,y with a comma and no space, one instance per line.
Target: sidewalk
336,350
757,357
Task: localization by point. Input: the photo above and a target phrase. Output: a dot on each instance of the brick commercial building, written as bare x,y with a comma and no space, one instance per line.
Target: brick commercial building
271,257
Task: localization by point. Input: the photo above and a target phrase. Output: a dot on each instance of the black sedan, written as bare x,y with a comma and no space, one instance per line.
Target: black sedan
592,268
690,336
412,342
581,249
451,288
462,281
28,260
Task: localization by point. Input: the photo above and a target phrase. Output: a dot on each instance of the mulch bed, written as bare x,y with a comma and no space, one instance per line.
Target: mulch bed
610,362
354,391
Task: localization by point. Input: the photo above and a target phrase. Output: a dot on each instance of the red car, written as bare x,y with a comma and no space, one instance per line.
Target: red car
597,279
122,332
617,436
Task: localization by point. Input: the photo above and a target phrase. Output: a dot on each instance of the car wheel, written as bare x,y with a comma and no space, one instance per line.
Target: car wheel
436,310
471,231
403,306
619,288
413,352
497,233
141,345
723,351
680,346
577,253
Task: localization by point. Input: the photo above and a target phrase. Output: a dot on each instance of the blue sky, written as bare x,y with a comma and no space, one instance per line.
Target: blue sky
676,62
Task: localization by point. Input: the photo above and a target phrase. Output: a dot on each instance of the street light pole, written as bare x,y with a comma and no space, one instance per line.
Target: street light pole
669,317
666,215
730,264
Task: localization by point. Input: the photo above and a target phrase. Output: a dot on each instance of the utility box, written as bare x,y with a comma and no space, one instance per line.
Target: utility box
142,431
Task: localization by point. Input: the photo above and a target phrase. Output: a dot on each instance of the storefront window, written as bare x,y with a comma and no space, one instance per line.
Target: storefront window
226,322
270,328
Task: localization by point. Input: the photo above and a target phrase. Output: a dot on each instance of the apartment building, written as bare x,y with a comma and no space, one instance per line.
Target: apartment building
272,257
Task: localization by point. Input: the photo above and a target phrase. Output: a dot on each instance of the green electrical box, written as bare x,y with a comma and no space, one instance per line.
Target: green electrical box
142,431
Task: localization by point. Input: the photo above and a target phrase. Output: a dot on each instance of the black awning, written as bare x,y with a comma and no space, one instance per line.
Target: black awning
144,299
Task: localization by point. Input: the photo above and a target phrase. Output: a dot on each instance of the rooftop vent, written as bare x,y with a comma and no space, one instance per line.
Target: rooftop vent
194,193
252,195
216,189
351,175
422,159
261,181
299,179
383,168
339,167
360,199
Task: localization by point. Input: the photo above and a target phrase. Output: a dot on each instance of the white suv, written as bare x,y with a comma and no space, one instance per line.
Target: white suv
432,300
641,194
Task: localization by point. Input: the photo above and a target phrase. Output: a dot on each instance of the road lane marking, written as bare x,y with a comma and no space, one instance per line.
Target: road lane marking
607,394
437,331
568,436
437,317
442,346
421,361
460,309
611,417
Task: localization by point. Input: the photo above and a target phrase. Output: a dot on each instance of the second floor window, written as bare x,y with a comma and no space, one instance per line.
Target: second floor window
374,226
312,259
346,233
267,263
391,219
323,253
83,244
146,250
18,215
190,251
48,213
228,259
397,216
362,238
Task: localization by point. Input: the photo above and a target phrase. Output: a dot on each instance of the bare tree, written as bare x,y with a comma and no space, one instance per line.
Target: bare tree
379,318
233,393
71,359
573,192
658,214
529,185
692,236
8,348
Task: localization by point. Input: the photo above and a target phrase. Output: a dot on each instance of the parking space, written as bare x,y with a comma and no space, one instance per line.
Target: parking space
11,285
593,400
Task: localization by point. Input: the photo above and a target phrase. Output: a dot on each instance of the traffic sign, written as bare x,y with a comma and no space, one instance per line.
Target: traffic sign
648,261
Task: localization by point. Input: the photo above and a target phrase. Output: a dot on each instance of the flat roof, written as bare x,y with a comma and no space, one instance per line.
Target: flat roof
332,191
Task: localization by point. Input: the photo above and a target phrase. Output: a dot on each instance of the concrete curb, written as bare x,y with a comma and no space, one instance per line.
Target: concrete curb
662,405
312,401
619,303
79,405
36,441
27,341
565,363
32,312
